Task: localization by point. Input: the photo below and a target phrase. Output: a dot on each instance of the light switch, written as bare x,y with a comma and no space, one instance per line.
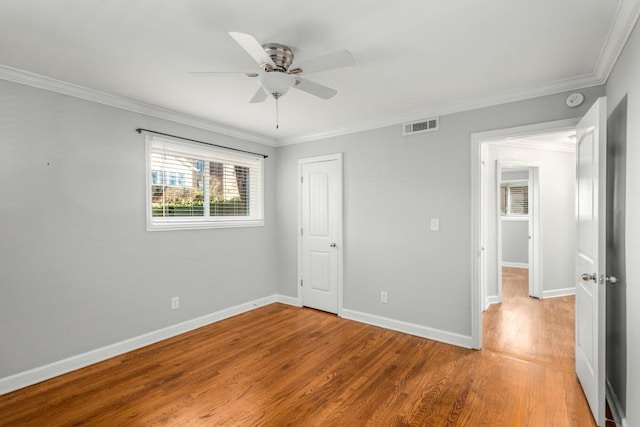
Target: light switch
435,224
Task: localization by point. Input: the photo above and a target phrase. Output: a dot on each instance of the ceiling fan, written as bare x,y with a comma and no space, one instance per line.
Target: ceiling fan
278,74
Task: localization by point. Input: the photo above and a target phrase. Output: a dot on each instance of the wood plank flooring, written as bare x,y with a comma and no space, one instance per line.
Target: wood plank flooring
280,365
529,328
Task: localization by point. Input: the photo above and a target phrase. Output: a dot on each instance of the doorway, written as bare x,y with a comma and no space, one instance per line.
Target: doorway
529,208
556,275
530,223
518,225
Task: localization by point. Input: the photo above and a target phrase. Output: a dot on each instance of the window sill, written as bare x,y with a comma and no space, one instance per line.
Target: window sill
197,225
515,218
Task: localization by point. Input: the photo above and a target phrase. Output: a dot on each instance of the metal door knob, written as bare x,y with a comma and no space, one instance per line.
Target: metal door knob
332,244
612,279
589,277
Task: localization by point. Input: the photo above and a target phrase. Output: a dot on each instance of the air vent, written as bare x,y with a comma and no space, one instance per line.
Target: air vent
426,125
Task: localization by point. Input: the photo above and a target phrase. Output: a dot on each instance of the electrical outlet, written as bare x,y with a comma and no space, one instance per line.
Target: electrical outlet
175,303
383,297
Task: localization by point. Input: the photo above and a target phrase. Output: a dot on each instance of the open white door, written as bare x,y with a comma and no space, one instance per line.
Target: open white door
321,216
590,256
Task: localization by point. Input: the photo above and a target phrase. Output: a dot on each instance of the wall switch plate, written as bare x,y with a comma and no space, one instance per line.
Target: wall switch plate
435,224
175,303
383,297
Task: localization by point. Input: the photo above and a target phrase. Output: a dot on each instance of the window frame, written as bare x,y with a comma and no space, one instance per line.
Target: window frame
193,222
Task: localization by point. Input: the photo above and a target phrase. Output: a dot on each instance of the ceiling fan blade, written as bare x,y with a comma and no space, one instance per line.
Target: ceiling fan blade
260,96
253,47
314,88
213,73
339,59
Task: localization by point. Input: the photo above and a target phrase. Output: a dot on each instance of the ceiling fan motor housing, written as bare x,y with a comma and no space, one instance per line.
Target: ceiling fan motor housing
281,55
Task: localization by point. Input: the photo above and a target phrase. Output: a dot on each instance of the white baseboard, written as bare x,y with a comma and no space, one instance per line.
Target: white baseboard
284,299
409,328
42,373
555,293
616,407
515,264
491,299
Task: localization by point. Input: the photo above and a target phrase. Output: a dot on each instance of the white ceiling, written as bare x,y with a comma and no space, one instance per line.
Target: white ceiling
414,58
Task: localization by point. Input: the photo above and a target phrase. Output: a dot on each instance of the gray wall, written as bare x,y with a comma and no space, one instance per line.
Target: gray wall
392,186
78,270
623,91
515,241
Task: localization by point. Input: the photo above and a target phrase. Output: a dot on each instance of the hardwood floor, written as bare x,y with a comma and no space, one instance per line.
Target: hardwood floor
541,331
280,365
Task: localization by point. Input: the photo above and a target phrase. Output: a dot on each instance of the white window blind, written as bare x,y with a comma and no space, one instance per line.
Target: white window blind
196,186
514,198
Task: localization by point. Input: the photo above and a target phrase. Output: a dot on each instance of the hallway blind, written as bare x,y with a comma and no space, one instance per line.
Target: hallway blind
514,199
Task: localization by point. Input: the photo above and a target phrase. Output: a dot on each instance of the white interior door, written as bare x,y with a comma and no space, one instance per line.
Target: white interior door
320,234
590,256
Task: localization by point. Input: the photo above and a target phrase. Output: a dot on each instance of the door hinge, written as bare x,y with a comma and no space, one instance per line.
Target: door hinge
301,283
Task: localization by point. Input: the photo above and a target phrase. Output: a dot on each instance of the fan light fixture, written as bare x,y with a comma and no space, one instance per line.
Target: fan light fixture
276,74
276,83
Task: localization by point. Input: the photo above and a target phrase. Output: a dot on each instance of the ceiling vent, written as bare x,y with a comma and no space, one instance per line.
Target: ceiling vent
426,125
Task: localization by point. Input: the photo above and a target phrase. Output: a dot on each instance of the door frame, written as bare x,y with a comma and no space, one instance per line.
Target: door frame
477,182
339,238
533,245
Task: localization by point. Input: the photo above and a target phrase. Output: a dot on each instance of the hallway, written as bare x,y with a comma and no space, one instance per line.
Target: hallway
539,332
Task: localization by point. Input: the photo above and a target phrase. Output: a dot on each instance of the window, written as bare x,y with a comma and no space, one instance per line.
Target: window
196,186
514,198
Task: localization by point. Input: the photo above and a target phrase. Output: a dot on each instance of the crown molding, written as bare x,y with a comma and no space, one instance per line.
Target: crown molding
621,28
36,80
559,86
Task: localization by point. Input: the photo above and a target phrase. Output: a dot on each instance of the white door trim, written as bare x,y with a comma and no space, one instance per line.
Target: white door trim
535,256
339,240
477,140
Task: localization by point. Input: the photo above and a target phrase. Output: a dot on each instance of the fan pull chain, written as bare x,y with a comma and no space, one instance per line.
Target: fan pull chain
277,116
